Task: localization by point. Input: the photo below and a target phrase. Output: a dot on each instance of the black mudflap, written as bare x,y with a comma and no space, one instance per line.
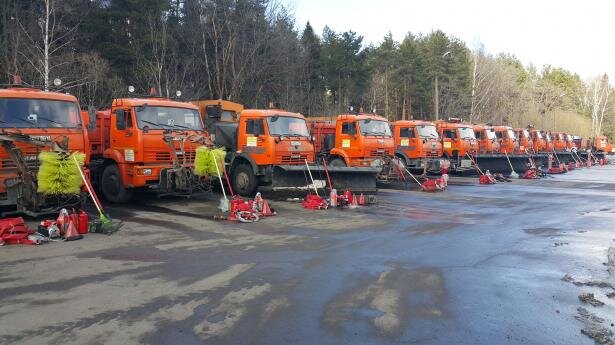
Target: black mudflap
297,178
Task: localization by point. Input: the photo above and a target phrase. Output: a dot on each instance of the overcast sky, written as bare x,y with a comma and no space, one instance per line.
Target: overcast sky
577,35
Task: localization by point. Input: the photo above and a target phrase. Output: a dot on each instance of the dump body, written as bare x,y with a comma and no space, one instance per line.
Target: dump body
507,138
353,140
458,139
526,144
487,141
146,142
32,121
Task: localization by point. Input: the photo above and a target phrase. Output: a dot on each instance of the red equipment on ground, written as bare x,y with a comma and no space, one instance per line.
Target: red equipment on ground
15,231
315,202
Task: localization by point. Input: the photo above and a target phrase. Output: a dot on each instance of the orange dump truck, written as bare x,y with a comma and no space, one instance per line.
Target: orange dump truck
361,140
146,143
559,141
31,121
526,144
458,141
487,140
418,144
273,148
507,139
601,144
539,143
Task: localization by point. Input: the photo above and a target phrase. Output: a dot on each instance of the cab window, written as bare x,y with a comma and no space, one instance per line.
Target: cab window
349,128
450,133
255,127
406,132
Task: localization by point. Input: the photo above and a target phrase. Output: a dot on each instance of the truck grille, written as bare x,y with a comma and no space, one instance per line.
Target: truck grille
293,159
378,153
166,156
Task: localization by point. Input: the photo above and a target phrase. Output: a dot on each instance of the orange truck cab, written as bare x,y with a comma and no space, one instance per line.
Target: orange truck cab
146,143
360,140
487,141
32,121
549,146
507,139
539,143
559,143
458,138
570,145
418,144
601,144
526,143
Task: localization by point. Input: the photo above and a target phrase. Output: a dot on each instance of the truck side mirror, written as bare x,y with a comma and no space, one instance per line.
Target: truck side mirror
120,119
91,117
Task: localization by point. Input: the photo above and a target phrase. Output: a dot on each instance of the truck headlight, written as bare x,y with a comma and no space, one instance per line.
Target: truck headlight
147,171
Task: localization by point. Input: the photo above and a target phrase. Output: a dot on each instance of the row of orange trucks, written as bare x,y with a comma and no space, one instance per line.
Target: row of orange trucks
149,142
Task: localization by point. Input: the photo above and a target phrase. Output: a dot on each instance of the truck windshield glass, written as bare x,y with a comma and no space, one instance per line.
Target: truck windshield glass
426,131
511,134
525,133
168,118
491,133
466,133
374,127
538,135
287,125
38,113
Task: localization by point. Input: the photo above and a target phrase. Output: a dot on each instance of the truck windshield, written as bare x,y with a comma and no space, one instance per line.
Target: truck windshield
38,113
427,131
491,133
374,127
466,133
525,133
511,134
287,125
168,118
538,135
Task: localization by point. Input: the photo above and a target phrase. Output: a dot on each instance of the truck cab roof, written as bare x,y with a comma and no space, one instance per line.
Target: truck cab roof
269,112
31,93
158,102
411,123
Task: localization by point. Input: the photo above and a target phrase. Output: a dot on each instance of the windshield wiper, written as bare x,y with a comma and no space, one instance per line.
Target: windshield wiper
293,135
374,133
155,123
51,121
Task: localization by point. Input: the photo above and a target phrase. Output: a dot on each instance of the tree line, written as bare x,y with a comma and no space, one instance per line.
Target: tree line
252,52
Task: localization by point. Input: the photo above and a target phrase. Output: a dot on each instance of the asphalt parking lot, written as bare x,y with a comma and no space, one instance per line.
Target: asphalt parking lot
511,263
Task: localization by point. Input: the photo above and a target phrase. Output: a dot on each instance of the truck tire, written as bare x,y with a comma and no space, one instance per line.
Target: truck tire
337,162
112,186
243,180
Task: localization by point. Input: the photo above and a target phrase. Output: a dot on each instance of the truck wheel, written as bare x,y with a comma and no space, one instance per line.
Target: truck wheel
112,186
244,180
337,162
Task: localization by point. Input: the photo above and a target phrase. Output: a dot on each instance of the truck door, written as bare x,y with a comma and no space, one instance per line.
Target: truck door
347,139
408,141
449,141
123,135
252,140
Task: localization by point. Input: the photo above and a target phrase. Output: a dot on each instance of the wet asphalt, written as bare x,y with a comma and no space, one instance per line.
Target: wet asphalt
498,264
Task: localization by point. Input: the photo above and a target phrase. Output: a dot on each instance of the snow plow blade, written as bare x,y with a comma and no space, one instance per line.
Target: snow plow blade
297,178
